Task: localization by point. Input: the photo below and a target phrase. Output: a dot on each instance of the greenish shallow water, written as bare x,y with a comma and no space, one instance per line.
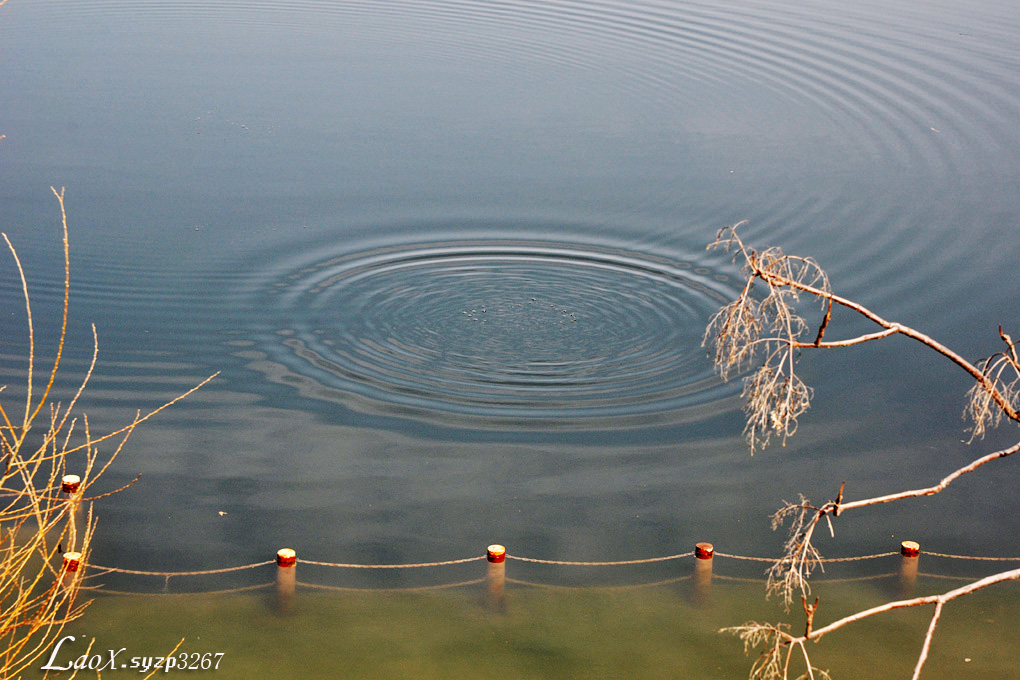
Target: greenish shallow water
646,632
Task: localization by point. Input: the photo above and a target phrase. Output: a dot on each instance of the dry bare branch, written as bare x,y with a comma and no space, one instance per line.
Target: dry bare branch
772,639
937,488
774,396
36,598
790,573
777,649
1002,370
775,639
771,326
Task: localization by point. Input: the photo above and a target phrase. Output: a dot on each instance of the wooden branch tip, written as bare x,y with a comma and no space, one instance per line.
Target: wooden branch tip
809,613
1005,337
824,324
1012,356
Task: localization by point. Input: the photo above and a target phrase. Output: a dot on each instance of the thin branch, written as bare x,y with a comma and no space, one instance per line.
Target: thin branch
774,396
849,341
67,295
1010,348
791,572
111,493
37,598
924,339
1011,575
774,638
138,420
31,342
824,324
937,488
927,640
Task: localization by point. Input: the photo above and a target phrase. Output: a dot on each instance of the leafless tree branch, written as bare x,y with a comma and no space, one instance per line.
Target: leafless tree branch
769,325
774,396
37,523
776,638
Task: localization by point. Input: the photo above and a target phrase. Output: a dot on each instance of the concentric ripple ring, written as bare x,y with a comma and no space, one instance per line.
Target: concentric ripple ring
496,329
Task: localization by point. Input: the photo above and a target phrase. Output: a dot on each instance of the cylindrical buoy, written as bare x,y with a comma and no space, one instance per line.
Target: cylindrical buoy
495,577
495,553
286,578
703,553
72,560
286,557
69,484
909,554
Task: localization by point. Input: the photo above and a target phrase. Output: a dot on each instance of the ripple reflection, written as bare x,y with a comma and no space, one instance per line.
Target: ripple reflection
522,332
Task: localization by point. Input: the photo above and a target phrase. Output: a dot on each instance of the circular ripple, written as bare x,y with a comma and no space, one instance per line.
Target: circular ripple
518,331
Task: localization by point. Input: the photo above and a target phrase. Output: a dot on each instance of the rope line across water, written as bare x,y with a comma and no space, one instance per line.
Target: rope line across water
202,572
823,560
134,593
600,564
629,586
343,565
570,563
743,557
971,557
409,589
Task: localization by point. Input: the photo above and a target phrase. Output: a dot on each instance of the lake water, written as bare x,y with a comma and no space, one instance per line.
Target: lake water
449,259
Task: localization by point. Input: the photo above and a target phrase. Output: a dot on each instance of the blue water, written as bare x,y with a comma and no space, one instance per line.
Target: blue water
449,258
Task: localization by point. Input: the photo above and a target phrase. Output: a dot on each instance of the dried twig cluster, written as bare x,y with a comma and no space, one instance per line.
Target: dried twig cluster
771,327
1002,370
777,651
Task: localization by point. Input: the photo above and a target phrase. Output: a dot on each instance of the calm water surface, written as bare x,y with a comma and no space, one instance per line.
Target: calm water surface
449,257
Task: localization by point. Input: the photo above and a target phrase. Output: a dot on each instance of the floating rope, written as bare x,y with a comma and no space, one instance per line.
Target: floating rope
823,559
601,564
203,572
419,565
408,589
99,570
972,557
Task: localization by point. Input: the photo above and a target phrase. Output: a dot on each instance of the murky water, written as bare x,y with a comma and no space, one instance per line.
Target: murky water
449,259
647,632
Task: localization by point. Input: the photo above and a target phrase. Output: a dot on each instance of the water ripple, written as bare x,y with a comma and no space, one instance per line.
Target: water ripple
497,330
